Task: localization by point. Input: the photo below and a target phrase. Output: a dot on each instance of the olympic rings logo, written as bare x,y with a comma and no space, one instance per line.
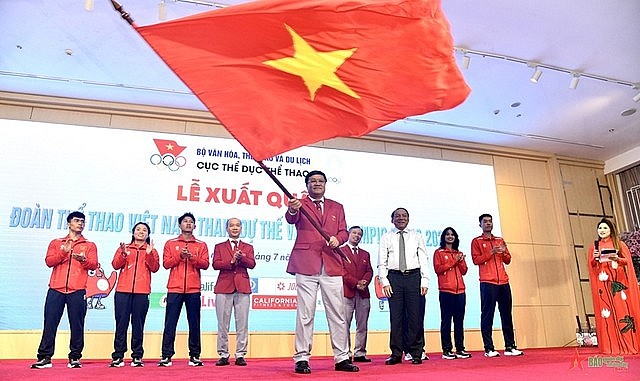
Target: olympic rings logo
168,160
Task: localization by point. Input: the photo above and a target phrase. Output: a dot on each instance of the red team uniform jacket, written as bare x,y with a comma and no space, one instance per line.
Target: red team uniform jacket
135,268
449,271
70,275
490,266
184,275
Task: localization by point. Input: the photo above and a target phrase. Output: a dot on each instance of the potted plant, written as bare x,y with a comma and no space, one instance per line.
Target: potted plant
632,240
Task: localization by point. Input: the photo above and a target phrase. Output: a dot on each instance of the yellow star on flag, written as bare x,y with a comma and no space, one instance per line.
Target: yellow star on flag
315,68
170,147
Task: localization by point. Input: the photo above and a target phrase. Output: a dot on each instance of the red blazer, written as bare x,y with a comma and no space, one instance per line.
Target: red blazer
359,269
310,250
232,278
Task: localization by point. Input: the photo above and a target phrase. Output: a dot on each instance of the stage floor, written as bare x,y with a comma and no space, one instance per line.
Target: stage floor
549,364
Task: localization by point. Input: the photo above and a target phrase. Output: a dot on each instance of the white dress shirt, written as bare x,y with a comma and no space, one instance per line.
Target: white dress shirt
415,254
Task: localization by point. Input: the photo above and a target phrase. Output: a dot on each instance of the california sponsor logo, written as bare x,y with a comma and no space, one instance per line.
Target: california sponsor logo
274,302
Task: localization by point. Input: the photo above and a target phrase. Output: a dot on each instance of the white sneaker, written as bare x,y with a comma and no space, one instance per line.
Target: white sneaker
424,356
195,361
513,352
42,363
463,354
165,362
448,355
137,362
491,354
408,357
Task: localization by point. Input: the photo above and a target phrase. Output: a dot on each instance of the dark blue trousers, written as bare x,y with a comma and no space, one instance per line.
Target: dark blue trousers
172,314
452,307
76,311
129,308
490,295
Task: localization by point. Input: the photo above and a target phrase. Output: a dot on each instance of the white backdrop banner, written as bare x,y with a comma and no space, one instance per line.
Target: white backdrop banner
120,177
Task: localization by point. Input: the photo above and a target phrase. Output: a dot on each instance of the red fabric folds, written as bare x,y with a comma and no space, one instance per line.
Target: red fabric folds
281,74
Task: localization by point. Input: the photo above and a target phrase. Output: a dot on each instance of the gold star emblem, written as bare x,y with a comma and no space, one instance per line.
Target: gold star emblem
314,67
169,147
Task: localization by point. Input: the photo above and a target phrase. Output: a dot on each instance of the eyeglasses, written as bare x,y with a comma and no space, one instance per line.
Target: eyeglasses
314,181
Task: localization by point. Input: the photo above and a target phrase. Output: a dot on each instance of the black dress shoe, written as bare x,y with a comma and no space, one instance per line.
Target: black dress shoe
346,366
303,367
392,360
222,362
416,361
361,359
241,362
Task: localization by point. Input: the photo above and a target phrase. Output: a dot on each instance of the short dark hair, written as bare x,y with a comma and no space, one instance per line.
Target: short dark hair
312,173
75,214
355,227
456,241
188,214
483,215
396,209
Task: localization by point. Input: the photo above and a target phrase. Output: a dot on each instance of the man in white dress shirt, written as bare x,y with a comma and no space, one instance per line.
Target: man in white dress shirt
402,268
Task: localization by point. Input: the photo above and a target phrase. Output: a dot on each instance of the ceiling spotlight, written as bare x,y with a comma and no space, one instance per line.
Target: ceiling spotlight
88,5
536,74
575,78
466,60
636,98
162,10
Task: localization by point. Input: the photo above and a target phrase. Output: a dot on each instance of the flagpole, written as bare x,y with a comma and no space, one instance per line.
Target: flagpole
311,219
125,15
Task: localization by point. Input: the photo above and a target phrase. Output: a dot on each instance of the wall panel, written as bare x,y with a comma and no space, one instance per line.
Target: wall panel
538,194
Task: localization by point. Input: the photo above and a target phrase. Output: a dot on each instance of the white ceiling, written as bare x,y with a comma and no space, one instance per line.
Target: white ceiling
108,61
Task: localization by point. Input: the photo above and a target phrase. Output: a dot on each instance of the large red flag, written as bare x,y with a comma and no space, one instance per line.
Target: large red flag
280,74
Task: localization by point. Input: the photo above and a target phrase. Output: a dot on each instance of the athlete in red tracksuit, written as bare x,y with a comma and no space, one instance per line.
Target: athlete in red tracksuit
136,261
70,257
184,256
490,254
450,265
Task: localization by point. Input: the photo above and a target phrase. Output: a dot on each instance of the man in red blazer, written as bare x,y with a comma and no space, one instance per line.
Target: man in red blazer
233,287
356,279
316,264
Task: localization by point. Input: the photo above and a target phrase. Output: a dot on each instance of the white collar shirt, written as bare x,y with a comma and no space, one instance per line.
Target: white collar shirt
415,254
321,199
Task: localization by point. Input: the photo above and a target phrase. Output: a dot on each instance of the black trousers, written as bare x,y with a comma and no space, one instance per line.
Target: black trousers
452,307
172,314
76,311
490,295
129,308
405,339
405,303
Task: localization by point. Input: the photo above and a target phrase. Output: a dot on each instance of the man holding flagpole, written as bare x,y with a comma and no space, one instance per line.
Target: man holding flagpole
317,266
